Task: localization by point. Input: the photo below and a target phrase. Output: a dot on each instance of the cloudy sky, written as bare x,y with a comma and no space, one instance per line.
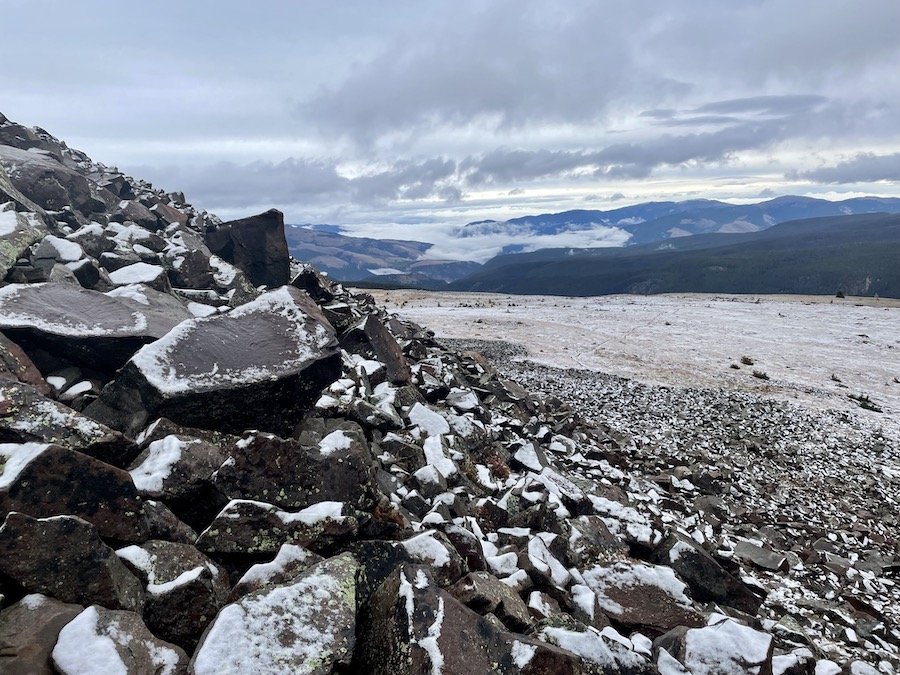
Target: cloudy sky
393,116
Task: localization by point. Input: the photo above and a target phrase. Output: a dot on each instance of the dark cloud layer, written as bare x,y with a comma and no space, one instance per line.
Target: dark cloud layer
864,168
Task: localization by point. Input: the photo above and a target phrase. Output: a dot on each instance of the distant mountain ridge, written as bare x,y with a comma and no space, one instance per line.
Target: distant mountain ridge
654,221
856,254
661,224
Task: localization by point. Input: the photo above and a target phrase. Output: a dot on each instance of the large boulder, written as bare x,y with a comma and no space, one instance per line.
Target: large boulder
259,366
43,179
28,417
648,597
64,557
255,245
340,468
100,640
306,627
49,480
184,589
28,632
723,646
92,329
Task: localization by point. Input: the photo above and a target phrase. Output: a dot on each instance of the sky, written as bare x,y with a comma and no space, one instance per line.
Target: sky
399,118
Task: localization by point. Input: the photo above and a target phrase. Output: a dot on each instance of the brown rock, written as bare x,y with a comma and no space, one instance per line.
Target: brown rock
28,632
63,557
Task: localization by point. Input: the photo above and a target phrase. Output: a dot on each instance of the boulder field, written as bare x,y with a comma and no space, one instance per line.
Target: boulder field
214,459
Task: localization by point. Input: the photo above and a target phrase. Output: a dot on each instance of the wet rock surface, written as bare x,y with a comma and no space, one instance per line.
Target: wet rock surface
230,463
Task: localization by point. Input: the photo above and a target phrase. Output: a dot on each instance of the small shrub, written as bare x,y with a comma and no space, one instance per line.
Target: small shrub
760,375
735,366
840,294
746,360
864,402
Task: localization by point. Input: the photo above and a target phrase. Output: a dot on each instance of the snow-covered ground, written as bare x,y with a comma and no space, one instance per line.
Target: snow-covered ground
816,351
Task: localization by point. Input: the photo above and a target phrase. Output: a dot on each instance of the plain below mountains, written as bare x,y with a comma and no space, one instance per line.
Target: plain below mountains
856,254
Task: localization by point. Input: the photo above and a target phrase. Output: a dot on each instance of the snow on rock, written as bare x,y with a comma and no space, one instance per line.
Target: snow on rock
723,646
607,648
14,457
290,560
306,626
258,365
113,642
157,464
430,422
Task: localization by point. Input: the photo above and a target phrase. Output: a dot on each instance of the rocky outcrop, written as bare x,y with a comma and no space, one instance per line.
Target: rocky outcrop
255,245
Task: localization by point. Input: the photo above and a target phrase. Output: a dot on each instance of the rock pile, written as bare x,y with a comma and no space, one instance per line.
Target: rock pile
217,460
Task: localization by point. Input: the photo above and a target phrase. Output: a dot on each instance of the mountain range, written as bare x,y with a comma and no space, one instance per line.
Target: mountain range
855,254
680,228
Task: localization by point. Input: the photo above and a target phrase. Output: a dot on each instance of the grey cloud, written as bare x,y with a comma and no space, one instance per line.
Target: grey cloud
771,105
864,168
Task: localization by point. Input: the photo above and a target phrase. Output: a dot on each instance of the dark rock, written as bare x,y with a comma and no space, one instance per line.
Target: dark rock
202,374
485,594
103,640
183,589
18,231
467,545
339,469
707,579
135,212
761,556
591,542
410,626
15,365
28,417
63,557
49,480
255,245
28,632
642,596
304,627
251,527
167,215
178,469
86,327
434,549
47,182
163,524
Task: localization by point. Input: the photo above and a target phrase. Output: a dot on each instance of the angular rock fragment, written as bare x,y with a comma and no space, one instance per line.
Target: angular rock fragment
642,596
28,632
303,627
183,589
410,626
203,374
18,231
43,179
288,563
249,527
606,649
101,640
63,557
15,365
255,245
485,594
48,480
92,329
339,468
28,417
720,647
707,579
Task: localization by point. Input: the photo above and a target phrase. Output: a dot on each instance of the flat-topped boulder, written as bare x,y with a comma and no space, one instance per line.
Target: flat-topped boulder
259,366
93,329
